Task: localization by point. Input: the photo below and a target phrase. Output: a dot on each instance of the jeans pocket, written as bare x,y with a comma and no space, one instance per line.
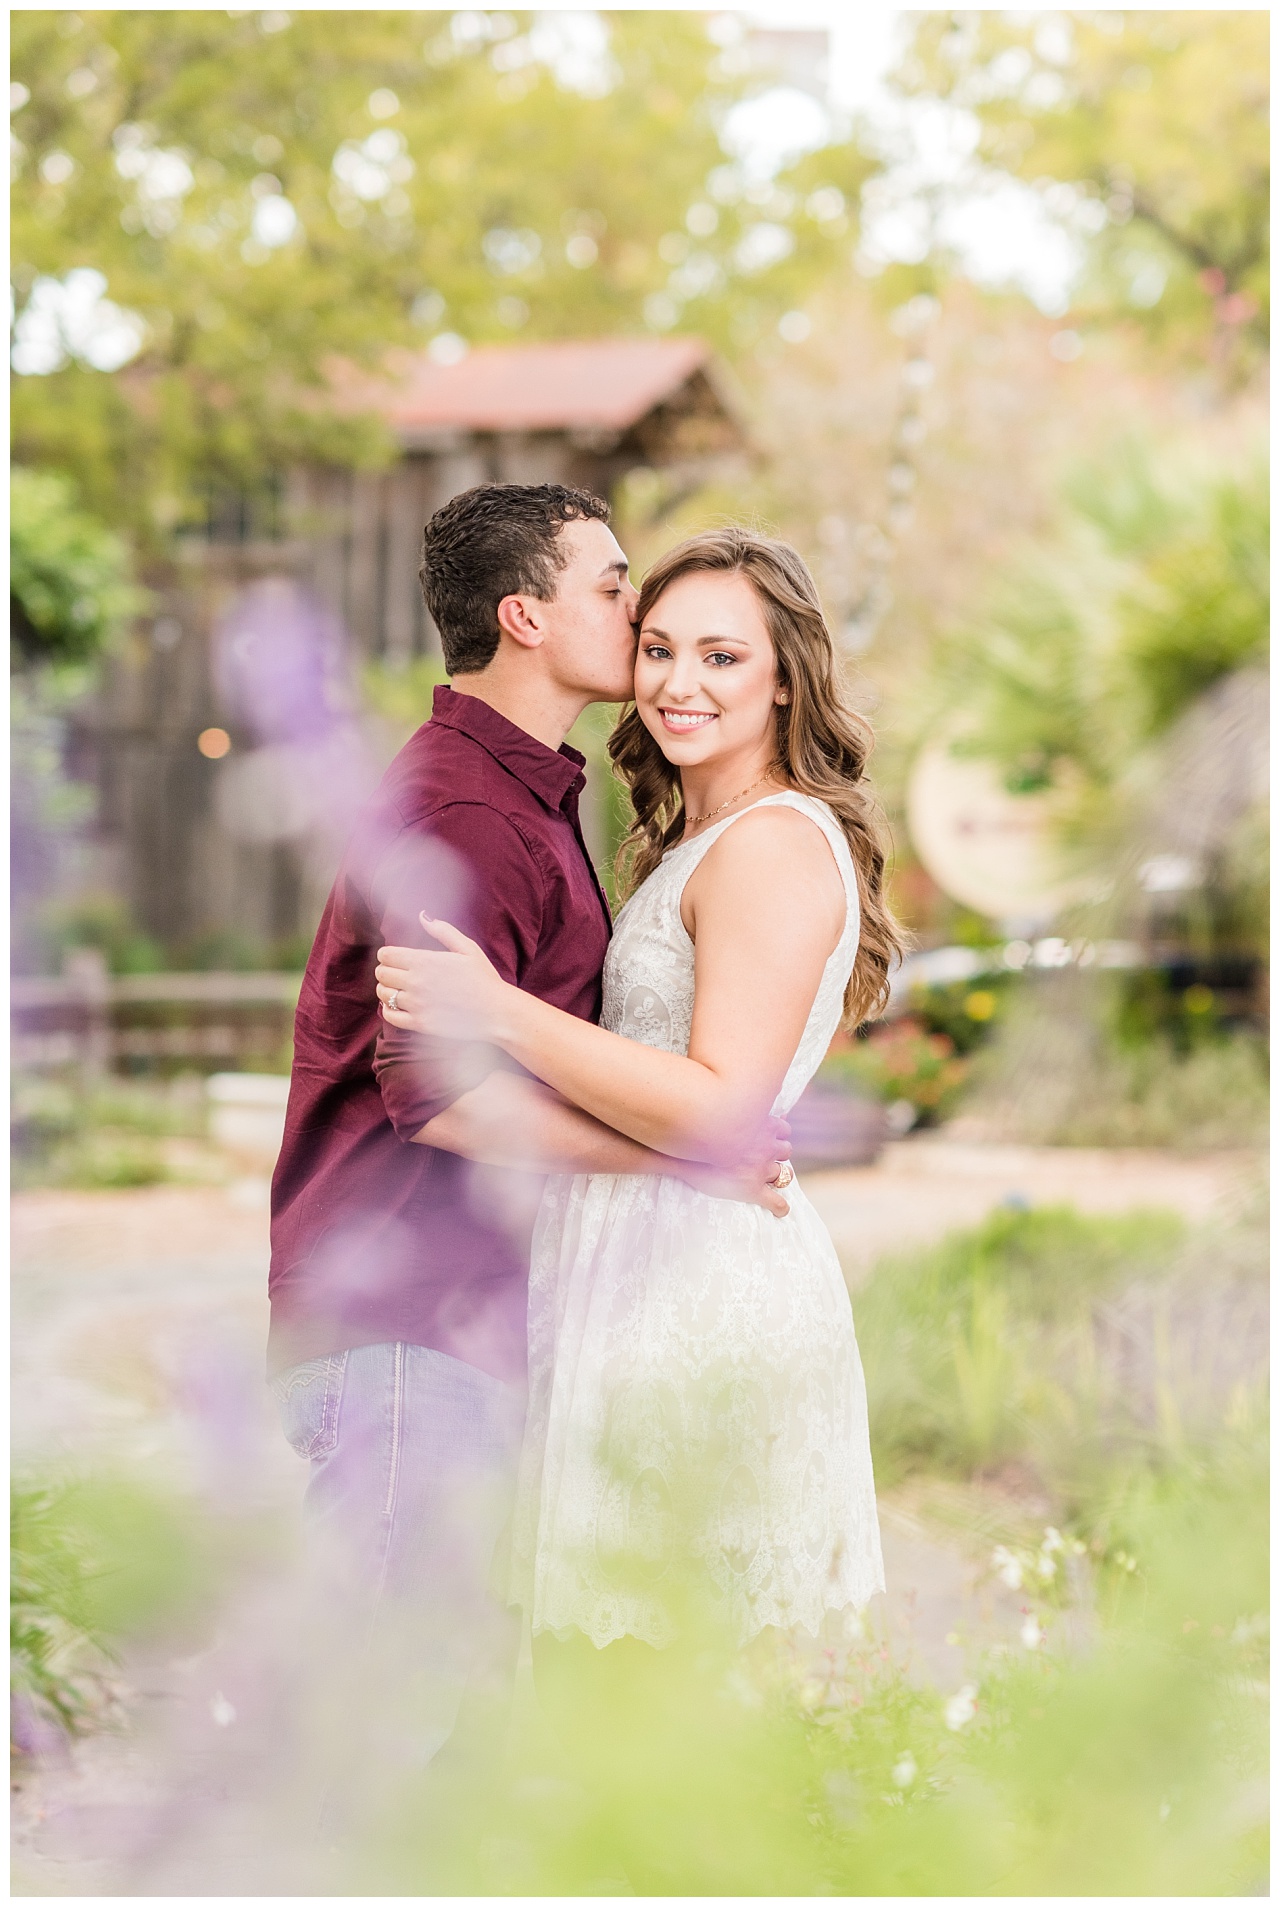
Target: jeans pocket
308,1397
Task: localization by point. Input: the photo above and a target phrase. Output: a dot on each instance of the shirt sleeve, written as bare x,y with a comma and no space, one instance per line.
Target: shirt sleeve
471,866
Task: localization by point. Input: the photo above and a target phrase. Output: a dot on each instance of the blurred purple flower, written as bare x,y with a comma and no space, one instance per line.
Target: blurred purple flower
280,661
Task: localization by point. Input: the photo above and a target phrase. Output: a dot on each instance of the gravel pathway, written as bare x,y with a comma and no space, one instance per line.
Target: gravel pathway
921,1188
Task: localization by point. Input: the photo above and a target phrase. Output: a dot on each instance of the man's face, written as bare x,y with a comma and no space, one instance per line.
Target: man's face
590,634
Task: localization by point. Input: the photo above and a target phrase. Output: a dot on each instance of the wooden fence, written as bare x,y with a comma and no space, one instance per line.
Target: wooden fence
94,1021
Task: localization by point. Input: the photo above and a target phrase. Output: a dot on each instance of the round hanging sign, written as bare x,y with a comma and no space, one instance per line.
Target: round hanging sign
988,849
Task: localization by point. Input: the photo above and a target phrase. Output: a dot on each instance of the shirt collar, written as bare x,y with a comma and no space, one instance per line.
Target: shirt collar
551,774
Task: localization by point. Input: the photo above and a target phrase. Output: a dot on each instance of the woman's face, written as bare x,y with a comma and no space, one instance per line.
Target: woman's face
706,674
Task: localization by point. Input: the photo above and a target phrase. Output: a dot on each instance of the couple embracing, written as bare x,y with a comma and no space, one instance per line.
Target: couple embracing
658,1404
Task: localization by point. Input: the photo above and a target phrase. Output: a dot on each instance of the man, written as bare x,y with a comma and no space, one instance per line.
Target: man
399,1259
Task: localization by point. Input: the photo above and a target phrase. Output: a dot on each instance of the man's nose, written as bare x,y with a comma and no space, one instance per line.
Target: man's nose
631,596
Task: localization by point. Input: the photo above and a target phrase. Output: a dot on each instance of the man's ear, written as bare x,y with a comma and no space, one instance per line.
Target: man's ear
520,618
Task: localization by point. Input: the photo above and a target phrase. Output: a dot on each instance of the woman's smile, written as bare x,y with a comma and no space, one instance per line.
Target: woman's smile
680,721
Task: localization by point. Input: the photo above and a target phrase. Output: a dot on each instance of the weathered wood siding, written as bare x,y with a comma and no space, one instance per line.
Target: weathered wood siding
352,537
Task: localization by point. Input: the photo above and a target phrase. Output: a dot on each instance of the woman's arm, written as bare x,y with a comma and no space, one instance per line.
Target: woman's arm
519,1124
765,908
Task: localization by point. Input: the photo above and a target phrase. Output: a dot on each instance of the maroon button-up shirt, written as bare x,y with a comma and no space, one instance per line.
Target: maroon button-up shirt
375,1239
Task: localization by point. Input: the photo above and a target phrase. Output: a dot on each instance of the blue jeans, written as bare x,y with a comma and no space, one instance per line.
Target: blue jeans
413,1458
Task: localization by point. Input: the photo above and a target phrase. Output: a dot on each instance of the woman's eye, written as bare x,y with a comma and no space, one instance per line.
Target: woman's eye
720,657
656,652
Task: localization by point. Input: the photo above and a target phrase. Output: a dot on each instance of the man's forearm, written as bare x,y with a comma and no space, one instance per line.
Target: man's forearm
512,1121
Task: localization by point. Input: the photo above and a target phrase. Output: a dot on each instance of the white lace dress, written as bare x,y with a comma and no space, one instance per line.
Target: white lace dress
697,1414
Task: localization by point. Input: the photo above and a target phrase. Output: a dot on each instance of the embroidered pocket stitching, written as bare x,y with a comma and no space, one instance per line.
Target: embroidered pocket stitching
332,1370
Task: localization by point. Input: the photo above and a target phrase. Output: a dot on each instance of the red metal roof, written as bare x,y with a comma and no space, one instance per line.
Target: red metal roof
602,384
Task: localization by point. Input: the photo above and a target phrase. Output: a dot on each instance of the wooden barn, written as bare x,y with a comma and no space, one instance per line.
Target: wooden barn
230,847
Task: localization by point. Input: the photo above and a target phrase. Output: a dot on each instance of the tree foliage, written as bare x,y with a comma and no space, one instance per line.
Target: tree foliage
1119,665
1148,133
1197,604
69,579
1096,643
258,192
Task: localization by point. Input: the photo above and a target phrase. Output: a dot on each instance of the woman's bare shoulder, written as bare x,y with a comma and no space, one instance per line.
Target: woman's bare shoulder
776,849
770,829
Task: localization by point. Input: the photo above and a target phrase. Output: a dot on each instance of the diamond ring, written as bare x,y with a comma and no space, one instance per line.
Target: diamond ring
785,1175
392,997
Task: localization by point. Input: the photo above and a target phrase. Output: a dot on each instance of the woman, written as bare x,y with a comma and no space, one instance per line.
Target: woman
697,1417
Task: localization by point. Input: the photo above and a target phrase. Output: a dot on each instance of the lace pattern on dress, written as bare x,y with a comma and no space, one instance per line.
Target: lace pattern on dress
697,1413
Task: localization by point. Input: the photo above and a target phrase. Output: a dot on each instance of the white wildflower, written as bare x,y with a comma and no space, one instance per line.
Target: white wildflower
1046,1568
1052,1541
961,1707
905,1770
1031,1635
739,1688
1006,1566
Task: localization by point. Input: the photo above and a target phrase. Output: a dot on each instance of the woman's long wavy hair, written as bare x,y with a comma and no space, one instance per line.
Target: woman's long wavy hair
822,745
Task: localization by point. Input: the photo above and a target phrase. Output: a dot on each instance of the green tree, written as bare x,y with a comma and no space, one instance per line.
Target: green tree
69,580
1148,133
1087,673
260,192
1097,642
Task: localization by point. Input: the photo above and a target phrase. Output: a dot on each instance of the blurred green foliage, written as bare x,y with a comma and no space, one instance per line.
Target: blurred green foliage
1147,134
71,593
1151,1004
103,922
101,1137
922,1058
1131,1762
967,1011
1084,1059
56,1650
1196,603
1093,1353
590,733
946,1334
1094,645
1155,589
96,1561
422,173
154,1563
399,698
1114,1744
69,580
902,1062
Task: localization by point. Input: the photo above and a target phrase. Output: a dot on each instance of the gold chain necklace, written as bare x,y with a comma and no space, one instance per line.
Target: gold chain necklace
696,820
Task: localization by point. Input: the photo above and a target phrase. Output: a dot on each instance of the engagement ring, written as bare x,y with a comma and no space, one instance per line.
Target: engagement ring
785,1176
392,997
